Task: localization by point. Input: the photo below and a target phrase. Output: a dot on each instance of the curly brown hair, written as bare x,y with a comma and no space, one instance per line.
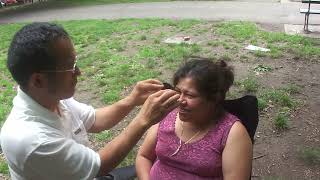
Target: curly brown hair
213,79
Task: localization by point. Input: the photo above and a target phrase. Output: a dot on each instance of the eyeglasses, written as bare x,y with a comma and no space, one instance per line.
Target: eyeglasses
73,70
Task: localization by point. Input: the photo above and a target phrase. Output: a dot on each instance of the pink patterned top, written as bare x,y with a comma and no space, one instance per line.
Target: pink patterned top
197,160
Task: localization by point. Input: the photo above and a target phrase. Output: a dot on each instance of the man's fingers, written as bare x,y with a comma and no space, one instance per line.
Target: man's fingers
153,81
151,85
172,102
167,94
157,94
172,106
163,94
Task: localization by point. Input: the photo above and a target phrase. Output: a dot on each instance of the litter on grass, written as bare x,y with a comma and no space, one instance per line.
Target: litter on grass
257,48
179,40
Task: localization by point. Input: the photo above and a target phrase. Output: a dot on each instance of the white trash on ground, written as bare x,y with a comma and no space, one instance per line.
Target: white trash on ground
179,40
256,48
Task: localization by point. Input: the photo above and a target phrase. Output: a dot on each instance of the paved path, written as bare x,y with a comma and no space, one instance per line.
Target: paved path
256,11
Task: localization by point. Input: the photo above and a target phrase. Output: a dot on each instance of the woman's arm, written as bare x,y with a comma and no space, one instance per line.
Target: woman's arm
237,154
146,154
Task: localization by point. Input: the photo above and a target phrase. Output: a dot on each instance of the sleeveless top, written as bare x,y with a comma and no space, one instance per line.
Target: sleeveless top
197,160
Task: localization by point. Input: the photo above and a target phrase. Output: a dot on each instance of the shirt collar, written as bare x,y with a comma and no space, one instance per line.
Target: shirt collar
32,108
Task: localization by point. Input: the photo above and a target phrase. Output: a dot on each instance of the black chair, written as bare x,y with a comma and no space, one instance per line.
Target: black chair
123,173
245,108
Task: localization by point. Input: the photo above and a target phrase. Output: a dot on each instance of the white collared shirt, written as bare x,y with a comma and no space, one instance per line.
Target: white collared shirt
39,145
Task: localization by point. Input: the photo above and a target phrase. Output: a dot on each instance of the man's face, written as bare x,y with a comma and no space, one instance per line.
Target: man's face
62,80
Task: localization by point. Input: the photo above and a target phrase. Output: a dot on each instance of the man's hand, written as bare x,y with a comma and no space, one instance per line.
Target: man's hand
109,116
157,106
153,110
143,89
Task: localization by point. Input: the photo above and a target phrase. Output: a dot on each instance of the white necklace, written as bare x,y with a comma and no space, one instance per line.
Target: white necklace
180,141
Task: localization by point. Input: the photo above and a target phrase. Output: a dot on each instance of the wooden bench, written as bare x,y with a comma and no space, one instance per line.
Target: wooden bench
309,11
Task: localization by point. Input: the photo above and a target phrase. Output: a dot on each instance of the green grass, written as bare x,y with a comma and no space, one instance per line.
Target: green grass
282,100
108,40
226,45
260,54
103,136
143,37
279,43
213,43
282,118
7,91
4,169
262,104
238,30
311,155
292,88
280,97
263,68
250,84
225,57
130,159
6,97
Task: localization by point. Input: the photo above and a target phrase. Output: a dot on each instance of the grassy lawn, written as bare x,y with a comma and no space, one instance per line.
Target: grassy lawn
114,54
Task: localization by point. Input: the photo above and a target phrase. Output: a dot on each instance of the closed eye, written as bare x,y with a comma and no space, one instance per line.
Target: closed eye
191,95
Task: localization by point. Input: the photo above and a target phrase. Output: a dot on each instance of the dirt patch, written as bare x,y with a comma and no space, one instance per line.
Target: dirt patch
271,27
282,148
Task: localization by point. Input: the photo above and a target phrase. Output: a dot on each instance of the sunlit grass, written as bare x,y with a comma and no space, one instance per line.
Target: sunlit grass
4,169
279,43
104,136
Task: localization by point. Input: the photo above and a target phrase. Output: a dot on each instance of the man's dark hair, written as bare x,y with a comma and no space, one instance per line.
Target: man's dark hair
30,50
213,79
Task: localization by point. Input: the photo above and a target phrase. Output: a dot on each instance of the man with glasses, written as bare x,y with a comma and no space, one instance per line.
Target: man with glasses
45,135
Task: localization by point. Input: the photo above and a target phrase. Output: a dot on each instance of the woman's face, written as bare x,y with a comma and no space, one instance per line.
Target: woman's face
194,107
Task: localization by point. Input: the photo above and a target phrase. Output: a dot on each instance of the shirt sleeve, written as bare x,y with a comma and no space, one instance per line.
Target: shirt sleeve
85,112
62,159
